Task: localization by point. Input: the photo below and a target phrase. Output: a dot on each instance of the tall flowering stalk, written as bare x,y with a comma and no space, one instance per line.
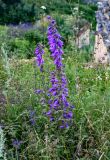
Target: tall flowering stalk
55,43
60,109
39,51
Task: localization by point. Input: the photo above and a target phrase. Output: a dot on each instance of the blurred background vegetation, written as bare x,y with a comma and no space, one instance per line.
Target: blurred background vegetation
22,25
16,11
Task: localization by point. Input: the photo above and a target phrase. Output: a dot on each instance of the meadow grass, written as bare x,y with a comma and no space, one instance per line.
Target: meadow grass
89,136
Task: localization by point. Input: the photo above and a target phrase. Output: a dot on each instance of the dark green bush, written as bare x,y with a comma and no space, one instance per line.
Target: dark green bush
18,11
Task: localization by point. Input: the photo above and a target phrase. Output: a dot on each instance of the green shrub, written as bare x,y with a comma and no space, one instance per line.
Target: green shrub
17,11
20,48
34,36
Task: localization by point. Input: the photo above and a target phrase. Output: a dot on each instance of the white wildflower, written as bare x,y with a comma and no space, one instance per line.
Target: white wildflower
99,78
76,8
43,7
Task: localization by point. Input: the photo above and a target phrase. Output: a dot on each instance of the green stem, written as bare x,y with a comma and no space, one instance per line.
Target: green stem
17,155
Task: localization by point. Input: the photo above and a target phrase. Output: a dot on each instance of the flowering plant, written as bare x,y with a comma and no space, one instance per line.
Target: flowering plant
59,109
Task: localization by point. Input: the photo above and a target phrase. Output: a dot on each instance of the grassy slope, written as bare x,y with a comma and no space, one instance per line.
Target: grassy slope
90,93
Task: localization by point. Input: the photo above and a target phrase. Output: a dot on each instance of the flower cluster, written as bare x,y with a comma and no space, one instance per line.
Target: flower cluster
55,43
60,109
39,56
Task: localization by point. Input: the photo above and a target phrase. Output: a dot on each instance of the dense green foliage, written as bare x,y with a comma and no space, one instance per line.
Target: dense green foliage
16,11
29,11
20,43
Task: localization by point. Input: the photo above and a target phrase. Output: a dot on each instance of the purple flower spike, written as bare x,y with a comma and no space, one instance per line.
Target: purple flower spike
55,43
60,108
39,56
